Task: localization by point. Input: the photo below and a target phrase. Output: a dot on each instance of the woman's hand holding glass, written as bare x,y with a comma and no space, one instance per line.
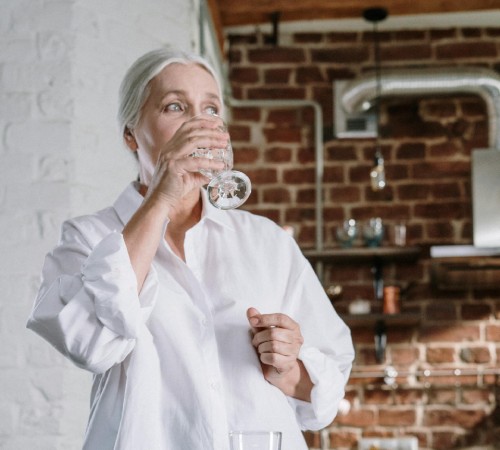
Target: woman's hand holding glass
175,173
198,150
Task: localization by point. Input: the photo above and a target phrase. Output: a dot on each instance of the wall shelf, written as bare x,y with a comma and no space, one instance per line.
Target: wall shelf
363,320
363,255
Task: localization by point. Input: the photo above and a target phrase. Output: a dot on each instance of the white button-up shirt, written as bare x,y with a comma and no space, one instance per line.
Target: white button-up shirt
174,368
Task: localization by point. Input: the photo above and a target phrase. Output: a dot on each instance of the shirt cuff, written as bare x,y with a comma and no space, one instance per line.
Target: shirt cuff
326,394
110,280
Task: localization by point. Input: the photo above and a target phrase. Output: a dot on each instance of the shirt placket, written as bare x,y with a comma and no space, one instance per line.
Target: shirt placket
216,412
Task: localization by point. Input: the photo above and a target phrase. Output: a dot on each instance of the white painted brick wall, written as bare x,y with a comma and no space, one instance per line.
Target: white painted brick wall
61,62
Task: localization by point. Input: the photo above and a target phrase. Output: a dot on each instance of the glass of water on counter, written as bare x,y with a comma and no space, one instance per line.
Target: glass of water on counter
255,440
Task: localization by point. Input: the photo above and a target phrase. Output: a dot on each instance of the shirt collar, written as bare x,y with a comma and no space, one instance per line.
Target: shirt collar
130,199
210,212
128,202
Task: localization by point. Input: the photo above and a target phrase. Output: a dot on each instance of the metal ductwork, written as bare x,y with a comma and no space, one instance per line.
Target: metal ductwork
358,95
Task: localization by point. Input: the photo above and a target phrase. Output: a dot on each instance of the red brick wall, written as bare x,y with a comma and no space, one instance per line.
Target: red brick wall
427,144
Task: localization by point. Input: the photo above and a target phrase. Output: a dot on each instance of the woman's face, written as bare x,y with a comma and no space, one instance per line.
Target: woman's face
178,93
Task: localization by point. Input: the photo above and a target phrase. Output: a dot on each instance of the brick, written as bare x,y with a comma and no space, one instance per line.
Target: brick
466,418
475,355
340,439
476,396
276,55
16,106
340,55
299,214
345,73
397,417
245,155
272,214
442,33
306,155
283,134
339,37
452,333
345,194
413,191
242,39
378,397
473,108
283,117
443,210
262,176
475,311
440,230
444,440
405,52
409,396
409,35
244,75
276,195
291,93
446,190
493,333
466,50
440,355
358,417
306,195
308,74
245,114
38,137
306,38
440,109
439,170
404,356
278,155
411,150
313,439
277,76
341,153
471,32
239,132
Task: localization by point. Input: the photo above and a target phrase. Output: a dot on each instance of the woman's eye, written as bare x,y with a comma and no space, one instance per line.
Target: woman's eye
173,107
212,110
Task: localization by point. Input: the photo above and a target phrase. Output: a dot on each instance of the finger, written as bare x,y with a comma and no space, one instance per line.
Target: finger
280,362
196,164
275,320
278,347
253,315
273,334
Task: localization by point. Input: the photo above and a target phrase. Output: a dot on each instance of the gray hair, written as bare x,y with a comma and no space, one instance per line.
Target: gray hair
134,89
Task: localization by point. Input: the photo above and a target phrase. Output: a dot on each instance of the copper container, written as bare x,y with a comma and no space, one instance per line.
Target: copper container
391,299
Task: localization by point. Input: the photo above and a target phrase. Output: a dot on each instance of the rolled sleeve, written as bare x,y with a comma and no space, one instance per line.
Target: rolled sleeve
109,279
88,306
327,392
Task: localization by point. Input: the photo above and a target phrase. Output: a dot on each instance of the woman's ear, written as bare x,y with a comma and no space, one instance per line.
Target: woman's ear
130,139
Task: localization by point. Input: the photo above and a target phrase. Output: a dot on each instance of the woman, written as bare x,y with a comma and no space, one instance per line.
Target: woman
194,321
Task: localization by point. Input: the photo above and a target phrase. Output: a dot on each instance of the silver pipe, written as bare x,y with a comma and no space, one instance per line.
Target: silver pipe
393,373
359,94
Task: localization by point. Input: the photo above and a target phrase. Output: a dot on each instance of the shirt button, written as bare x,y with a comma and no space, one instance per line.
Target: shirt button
214,386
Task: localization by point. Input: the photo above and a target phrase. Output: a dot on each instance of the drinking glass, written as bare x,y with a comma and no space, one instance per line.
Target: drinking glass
347,233
373,232
228,188
255,440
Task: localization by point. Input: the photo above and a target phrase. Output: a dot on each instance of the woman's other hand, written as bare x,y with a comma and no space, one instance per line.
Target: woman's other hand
278,340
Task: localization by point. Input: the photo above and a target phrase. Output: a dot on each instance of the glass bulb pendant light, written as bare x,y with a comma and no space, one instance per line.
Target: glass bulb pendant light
377,173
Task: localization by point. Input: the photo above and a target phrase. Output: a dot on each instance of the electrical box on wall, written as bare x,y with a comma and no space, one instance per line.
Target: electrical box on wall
360,125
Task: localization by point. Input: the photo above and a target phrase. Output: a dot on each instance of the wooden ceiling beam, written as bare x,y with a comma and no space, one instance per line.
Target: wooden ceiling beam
237,12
